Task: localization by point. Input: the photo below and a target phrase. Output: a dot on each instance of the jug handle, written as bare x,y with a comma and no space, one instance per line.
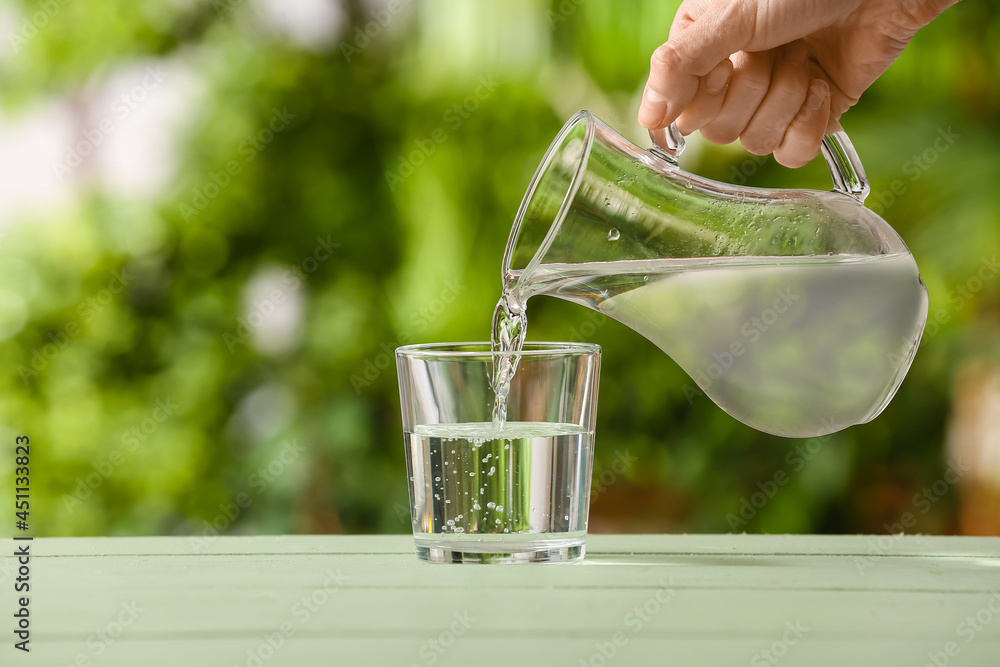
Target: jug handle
842,160
845,166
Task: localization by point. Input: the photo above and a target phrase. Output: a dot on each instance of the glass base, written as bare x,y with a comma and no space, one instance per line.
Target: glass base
500,549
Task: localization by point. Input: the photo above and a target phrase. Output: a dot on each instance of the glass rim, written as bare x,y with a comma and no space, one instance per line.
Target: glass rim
530,349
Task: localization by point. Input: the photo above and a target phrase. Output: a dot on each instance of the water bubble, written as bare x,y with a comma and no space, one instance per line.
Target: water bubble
493,469
614,234
437,497
566,517
447,502
459,529
499,508
506,530
436,479
472,474
497,522
477,506
506,446
491,504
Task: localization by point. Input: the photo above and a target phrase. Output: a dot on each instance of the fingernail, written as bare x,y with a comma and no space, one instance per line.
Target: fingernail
818,91
717,81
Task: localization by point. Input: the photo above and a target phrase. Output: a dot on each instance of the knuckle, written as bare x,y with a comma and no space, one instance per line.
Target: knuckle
791,88
667,56
754,71
756,84
803,118
785,119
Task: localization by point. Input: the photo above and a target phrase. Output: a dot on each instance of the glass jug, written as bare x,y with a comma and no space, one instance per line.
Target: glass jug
798,312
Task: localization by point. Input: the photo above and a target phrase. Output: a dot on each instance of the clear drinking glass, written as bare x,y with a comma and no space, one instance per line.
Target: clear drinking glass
520,494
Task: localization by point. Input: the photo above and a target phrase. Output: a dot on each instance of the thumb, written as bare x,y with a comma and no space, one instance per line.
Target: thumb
704,37
694,49
725,27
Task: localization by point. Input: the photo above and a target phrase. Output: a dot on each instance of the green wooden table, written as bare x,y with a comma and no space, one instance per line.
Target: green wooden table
635,600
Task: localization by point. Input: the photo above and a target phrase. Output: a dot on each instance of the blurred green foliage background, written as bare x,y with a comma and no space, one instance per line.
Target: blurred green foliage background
339,177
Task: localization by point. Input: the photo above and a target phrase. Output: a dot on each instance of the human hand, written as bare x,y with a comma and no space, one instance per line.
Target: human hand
775,74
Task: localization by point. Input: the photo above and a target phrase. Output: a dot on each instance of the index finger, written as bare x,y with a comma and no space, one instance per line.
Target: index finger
696,46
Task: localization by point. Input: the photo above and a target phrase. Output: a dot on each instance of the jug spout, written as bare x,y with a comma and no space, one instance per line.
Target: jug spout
796,311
